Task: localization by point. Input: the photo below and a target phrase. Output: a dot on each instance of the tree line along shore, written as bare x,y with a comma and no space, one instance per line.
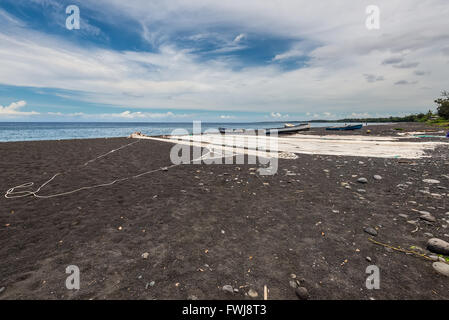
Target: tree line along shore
440,117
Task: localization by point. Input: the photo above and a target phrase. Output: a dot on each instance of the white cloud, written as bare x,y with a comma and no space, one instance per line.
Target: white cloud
239,37
298,50
339,48
360,115
13,109
323,116
140,115
125,115
329,115
278,115
294,53
6,17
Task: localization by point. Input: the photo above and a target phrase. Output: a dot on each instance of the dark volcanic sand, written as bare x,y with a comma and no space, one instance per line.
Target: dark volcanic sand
290,226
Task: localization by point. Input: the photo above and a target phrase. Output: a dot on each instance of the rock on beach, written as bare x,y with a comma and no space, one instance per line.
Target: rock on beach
441,268
370,231
302,293
431,181
362,180
438,246
228,288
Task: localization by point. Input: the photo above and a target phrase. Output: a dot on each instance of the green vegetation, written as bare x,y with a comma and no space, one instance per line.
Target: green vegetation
439,119
439,122
421,117
443,105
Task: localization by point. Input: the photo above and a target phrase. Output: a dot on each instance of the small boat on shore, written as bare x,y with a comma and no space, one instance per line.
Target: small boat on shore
346,127
288,128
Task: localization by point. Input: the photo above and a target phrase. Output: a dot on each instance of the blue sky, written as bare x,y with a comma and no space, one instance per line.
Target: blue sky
233,61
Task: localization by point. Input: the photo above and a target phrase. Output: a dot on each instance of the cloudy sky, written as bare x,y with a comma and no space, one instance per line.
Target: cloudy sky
233,60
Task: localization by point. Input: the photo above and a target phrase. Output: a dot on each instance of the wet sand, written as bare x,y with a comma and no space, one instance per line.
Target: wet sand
206,226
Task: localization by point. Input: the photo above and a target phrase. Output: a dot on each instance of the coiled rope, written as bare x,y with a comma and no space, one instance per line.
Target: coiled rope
14,193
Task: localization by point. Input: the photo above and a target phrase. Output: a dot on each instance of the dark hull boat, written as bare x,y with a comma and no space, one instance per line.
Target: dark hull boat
348,127
284,130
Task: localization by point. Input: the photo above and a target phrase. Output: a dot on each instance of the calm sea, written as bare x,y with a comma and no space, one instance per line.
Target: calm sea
26,131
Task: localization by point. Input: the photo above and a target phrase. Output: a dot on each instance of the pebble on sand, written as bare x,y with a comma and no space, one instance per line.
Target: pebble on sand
377,177
438,246
362,180
2,289
145,255
428,217
431,181
253,293
302,293
370,231
441,267
228,288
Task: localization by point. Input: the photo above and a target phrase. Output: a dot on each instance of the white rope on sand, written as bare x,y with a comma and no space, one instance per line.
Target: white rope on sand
108,153
13,193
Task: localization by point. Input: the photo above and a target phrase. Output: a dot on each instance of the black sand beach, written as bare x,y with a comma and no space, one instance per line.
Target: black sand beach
206,226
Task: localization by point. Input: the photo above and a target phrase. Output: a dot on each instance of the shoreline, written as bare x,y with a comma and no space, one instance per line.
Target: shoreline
133,127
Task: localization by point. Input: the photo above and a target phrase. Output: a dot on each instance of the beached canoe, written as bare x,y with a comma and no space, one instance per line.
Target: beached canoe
347,127
286,129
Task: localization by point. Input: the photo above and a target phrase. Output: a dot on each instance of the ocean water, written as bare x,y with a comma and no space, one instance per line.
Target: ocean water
28,131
